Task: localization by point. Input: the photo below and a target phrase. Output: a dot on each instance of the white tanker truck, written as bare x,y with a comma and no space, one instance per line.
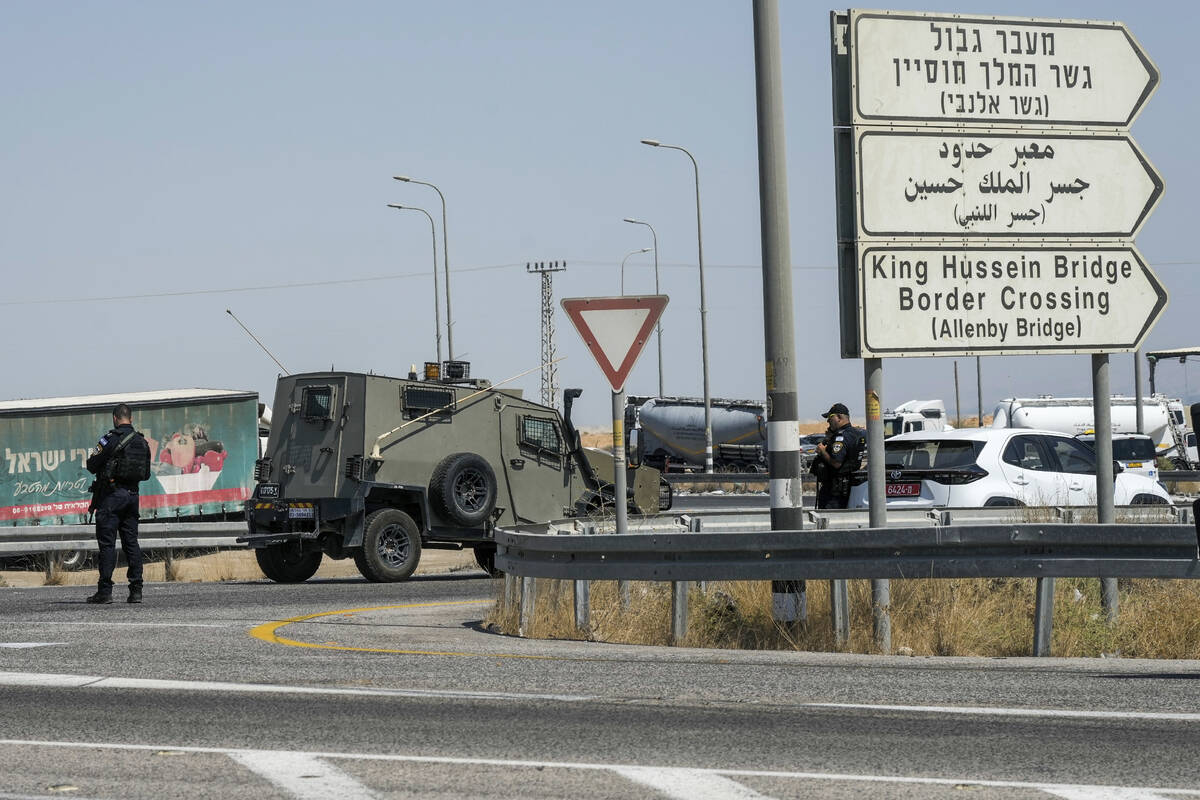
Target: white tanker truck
1163,419
668,433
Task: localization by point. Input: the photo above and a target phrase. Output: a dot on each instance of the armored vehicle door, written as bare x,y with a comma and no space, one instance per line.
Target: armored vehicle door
311,447
536,468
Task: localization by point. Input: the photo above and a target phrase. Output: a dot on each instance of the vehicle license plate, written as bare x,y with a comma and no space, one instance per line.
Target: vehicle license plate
300,513
904,490
268,490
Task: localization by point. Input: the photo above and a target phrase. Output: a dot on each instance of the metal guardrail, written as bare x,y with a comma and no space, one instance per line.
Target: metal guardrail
962,551
1155,541
1151,542
151,536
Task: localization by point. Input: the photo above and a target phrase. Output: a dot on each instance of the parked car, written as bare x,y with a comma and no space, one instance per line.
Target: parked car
981,467
1135,451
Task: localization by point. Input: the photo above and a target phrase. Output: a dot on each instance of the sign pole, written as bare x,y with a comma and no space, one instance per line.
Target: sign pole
620,502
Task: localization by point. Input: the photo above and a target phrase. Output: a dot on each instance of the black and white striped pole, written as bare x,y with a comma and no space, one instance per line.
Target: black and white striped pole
783,431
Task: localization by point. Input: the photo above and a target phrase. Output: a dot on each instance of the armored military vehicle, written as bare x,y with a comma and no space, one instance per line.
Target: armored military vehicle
377,468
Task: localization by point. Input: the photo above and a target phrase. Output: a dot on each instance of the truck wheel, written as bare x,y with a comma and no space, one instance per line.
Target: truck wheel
72,560
485,557
287,564
391,547
463,489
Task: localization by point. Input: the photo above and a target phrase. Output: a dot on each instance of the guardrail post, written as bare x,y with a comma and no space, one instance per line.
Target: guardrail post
1108,599
583,611
510,591
168,564
839,610
528,604
1043,616
679,611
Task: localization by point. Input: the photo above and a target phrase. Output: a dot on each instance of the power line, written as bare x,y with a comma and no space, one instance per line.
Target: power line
423,274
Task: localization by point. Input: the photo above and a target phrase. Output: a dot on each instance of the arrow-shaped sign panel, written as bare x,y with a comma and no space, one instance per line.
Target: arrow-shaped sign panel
989,70
1005,300
615,329
927,182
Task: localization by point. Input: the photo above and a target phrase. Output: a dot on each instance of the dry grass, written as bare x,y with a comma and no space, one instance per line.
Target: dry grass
959,617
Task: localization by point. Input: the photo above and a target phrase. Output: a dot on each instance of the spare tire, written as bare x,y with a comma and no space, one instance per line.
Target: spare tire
463,489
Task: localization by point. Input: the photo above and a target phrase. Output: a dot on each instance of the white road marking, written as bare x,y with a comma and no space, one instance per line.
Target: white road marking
27,645
302,776
54,680
1102,793
1079,790
688,784
1021,712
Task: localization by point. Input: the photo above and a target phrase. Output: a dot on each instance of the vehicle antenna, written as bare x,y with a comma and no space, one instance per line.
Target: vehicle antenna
257,342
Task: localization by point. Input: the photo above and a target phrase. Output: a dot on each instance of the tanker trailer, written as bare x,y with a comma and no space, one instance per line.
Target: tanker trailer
668,433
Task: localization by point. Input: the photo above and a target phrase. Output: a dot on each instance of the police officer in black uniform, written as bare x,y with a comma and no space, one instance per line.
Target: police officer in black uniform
115,502
837,456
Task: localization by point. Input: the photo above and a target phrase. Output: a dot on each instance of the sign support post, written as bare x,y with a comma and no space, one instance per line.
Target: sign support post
620,490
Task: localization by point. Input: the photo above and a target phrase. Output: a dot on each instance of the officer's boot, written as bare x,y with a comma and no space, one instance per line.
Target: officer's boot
103,595
135,593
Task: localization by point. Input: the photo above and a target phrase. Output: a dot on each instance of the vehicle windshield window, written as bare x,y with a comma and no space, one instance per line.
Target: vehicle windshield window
893,427
1073,455
1133,449
932,453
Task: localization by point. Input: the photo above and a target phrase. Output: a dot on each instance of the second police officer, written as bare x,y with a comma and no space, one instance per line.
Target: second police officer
838,455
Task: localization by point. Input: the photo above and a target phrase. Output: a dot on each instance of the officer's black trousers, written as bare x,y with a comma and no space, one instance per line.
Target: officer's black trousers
118,516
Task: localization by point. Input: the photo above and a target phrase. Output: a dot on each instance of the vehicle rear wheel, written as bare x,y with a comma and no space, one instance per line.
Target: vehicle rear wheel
485,557
285,563
1149,500
391,547
463,489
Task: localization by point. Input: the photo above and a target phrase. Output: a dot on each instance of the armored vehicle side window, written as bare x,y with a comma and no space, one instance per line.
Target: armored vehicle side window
316,402
420,400
541,435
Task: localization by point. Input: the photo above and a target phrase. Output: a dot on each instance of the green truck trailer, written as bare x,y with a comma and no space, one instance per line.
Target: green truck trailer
203,443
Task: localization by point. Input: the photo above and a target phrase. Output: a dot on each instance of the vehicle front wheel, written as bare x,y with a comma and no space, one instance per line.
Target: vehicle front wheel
285,563
391,547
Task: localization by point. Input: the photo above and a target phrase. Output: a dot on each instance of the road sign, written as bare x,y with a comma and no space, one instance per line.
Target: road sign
989,70
928,182
615,329
923,300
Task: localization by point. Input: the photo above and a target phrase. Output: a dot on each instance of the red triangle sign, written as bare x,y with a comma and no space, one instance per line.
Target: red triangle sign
615,329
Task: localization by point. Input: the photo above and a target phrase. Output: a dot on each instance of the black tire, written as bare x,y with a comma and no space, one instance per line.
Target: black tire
73,560
391,547
285,563
485,557
1149,500
463,489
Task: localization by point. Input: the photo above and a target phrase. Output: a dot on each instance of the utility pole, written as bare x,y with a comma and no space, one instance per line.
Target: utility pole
549,358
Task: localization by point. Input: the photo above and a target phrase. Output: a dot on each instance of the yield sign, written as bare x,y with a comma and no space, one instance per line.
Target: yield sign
615,329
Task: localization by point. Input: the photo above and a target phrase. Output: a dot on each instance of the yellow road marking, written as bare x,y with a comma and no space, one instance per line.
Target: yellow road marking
267,633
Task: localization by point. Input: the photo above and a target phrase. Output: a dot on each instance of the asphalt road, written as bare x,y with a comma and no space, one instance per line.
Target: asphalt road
347,689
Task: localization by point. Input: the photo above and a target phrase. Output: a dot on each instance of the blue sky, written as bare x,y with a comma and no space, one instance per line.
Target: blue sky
187,159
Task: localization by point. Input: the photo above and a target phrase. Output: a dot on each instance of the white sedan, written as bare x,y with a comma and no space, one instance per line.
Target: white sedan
981,467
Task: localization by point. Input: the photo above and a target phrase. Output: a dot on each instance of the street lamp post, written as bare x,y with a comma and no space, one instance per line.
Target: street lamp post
626,258
658,325
437,320
708,445
445,260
